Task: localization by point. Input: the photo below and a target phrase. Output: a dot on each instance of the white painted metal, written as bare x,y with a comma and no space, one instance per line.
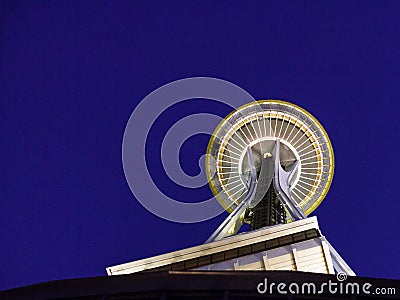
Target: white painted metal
312,255
235,241
306,256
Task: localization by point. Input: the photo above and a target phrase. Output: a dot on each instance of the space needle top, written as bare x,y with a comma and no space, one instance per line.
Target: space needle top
259,125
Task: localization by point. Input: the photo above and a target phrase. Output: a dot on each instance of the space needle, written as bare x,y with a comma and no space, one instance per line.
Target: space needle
269,163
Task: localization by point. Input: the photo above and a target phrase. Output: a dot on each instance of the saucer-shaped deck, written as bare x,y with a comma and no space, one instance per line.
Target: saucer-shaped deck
258,125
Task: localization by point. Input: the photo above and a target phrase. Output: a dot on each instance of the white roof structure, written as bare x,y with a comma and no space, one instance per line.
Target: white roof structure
297,246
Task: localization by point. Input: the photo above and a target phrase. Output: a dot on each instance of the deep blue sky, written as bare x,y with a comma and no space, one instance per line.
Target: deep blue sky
73,71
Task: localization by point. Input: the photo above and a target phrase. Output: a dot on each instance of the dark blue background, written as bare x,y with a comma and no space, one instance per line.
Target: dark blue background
73,71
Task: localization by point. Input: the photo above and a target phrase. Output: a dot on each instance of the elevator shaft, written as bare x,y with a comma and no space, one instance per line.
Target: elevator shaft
269,211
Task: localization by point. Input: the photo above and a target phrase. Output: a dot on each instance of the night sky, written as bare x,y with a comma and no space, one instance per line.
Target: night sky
72,72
